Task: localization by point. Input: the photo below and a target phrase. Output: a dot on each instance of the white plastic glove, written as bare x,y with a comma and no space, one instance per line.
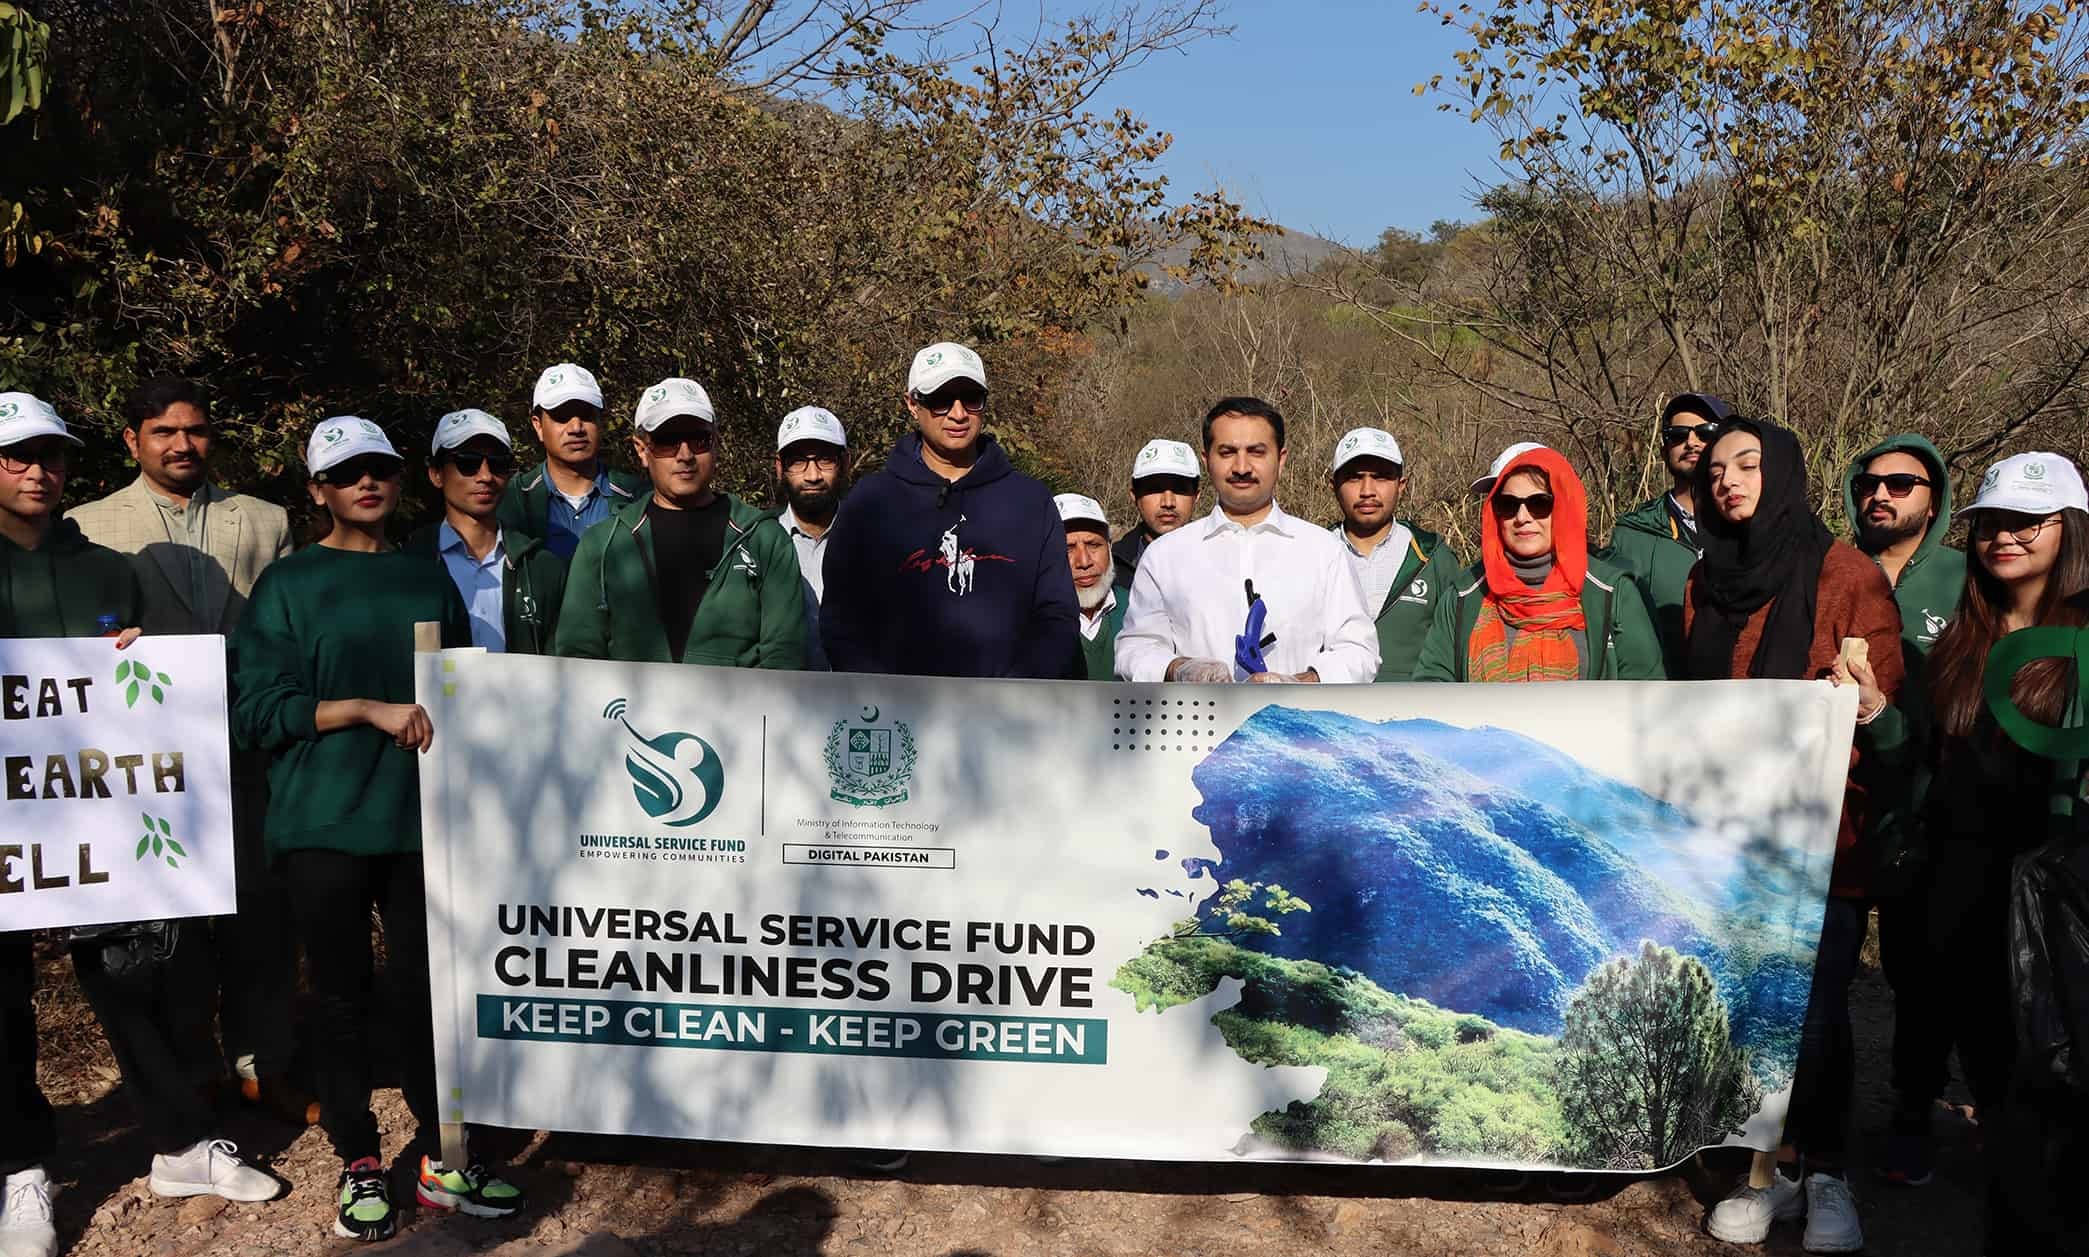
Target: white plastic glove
1205,672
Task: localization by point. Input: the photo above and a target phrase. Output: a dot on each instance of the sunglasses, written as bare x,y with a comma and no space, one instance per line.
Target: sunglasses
1988,525
1677,433
669,443
469,464
51,456
375,466
944,400
1900,484
1506,505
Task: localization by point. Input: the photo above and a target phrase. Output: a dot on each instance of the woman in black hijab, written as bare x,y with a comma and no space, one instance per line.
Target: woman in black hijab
1775,596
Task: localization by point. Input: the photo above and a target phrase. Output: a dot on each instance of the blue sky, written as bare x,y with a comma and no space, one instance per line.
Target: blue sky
1306,114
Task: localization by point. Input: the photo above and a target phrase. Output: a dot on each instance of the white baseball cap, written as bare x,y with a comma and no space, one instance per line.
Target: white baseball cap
673,398
941,363
566,383
2037,483
1165,458
1486,483
1366,443
810,423
1074,506
343,437
24,417
459,426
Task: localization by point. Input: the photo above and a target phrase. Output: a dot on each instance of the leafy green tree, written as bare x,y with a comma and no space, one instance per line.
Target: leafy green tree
1235,915
1646,1071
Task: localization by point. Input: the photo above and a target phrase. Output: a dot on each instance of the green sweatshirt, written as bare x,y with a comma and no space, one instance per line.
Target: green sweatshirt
1622,644
752,614
1927,594
329,624
64,586
1428,575
1648,544
1099,653
1929,586
532,587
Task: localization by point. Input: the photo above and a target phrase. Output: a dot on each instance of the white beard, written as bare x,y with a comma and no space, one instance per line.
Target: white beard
1093,596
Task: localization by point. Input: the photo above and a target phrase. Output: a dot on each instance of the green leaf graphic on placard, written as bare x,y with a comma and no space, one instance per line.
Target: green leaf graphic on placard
130,695
143,843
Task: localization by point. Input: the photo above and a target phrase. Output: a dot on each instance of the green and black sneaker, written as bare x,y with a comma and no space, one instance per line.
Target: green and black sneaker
366,1203
473,1190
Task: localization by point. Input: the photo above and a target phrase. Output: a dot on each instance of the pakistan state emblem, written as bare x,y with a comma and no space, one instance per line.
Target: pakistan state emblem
869,762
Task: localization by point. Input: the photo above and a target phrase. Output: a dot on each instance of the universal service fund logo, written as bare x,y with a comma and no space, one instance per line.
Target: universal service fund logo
676,777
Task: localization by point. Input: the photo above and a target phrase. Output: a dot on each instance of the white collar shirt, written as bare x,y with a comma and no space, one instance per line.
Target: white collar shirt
812,552
1379,569
1189,600
1092,625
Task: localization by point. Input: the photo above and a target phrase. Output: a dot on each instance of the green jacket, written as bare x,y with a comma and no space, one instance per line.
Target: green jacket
526,505
324,625
64,586
1622,644
752,614
532,589
1929,586
1099,656
1428,575
1649,546
1927,595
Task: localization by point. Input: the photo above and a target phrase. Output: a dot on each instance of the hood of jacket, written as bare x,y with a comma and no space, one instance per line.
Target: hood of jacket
1940,486
906,464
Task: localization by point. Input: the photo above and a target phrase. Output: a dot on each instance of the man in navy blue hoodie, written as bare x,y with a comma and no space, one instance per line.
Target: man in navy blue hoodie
948,561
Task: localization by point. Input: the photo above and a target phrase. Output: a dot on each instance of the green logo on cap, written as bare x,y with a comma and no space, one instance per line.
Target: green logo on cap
554,379
933,359
333,436
9,410
659,393
2034,471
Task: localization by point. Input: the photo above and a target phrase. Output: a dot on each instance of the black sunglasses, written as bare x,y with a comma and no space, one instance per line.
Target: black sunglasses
699,441
1677,433
1900,484
375,466
948,398
469,464
1507,504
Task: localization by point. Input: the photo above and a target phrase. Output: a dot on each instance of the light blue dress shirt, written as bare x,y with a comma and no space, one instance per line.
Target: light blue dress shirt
479,580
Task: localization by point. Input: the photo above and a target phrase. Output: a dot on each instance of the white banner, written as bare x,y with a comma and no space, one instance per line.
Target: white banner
1440,923
115,771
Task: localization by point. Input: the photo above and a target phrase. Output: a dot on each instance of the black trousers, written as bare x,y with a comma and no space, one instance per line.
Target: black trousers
1944,948
255,951
159,1024
1818,1124
331,894
28,1130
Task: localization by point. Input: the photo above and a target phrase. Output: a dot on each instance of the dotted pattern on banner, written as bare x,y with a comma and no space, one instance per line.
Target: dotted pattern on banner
1164,724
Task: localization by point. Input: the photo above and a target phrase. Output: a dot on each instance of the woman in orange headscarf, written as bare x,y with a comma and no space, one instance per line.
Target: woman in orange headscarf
1537,607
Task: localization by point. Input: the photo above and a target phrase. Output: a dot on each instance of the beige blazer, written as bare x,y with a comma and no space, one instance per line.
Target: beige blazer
245,534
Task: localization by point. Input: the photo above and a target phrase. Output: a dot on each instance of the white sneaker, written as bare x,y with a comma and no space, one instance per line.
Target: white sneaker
1831,1216
211,1167
25,1215
1744,1217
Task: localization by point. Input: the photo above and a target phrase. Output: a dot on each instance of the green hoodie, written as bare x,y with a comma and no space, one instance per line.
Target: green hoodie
325,625
64,586
1621,636
1649,545
1935,576
532,588
1927,594
1428,575
752,614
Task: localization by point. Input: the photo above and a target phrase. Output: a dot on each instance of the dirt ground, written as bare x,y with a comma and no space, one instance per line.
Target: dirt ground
605,1197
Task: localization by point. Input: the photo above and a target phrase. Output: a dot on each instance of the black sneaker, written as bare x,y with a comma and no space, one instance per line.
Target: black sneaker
366,1203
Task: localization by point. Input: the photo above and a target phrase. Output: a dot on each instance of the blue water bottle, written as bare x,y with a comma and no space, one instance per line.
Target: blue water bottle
107,626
